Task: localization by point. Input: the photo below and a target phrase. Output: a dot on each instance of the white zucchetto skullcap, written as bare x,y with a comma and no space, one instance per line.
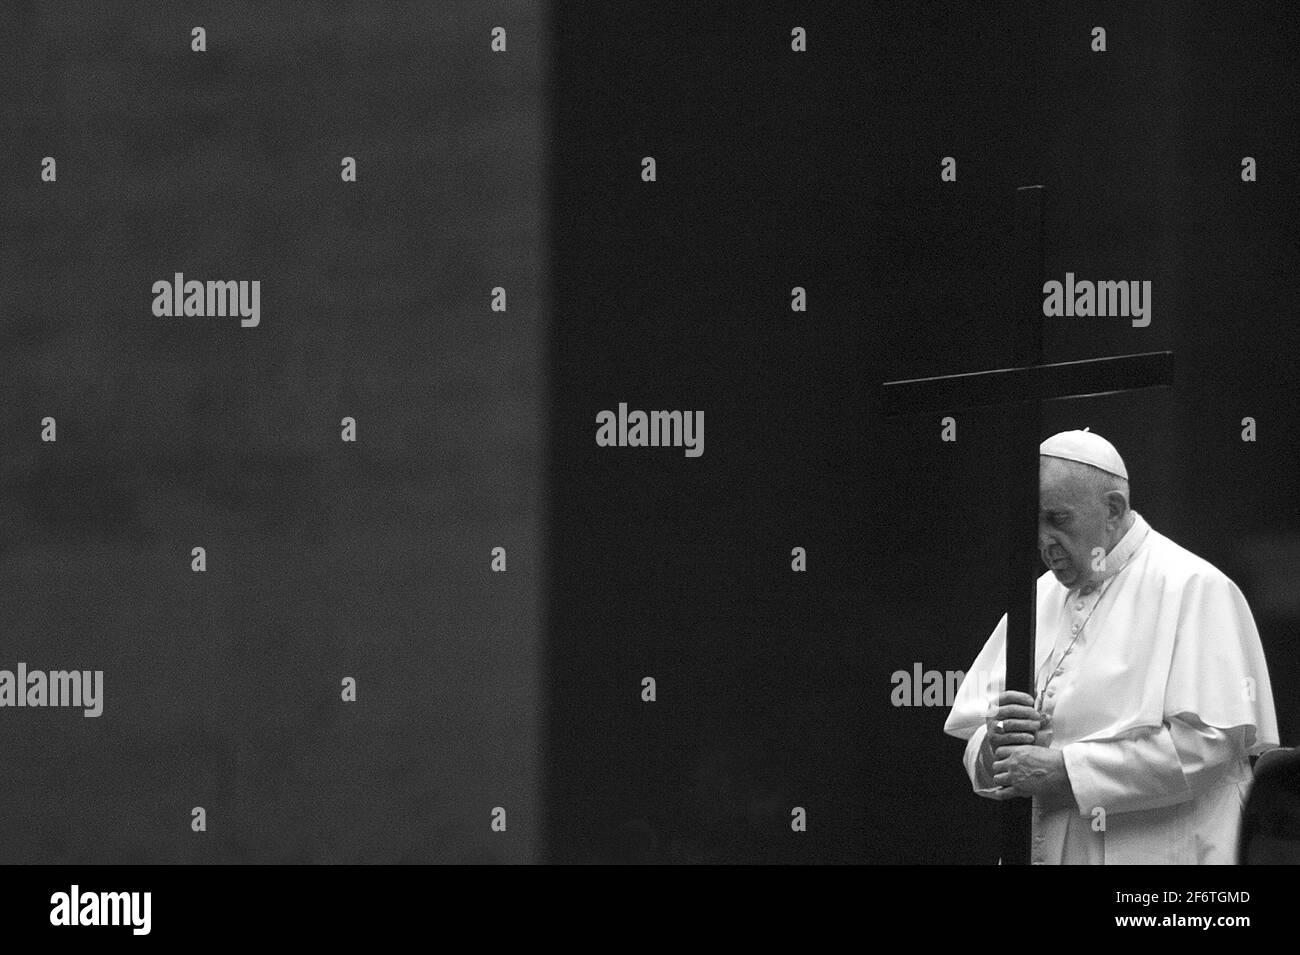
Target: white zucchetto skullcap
1086,448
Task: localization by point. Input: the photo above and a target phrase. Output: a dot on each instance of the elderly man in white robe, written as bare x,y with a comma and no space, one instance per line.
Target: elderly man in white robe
1151,688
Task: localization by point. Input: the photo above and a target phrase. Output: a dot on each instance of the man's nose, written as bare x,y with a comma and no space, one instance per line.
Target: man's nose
1044,541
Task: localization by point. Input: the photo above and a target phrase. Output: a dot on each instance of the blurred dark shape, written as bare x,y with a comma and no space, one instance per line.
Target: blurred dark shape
1270,824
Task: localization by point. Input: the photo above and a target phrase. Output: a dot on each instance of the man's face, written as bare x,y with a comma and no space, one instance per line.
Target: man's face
1072,521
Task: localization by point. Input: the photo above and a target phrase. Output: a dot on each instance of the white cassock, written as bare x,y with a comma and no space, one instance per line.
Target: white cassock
1156,691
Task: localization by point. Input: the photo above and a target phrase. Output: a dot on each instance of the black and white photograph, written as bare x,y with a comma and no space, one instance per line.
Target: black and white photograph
534,432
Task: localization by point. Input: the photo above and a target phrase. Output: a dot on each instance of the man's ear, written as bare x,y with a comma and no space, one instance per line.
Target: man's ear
1116,505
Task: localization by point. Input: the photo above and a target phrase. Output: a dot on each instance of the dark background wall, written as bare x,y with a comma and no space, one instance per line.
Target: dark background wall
325,559
822,170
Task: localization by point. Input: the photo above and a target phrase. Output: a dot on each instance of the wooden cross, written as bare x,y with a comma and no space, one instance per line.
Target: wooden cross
1022,387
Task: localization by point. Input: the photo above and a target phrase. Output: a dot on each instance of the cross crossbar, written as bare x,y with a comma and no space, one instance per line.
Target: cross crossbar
1068,379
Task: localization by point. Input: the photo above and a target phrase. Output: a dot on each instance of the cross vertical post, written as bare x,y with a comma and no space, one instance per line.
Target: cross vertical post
1022,486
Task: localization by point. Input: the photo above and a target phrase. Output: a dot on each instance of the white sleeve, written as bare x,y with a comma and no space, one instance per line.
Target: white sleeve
981,779
1150,768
